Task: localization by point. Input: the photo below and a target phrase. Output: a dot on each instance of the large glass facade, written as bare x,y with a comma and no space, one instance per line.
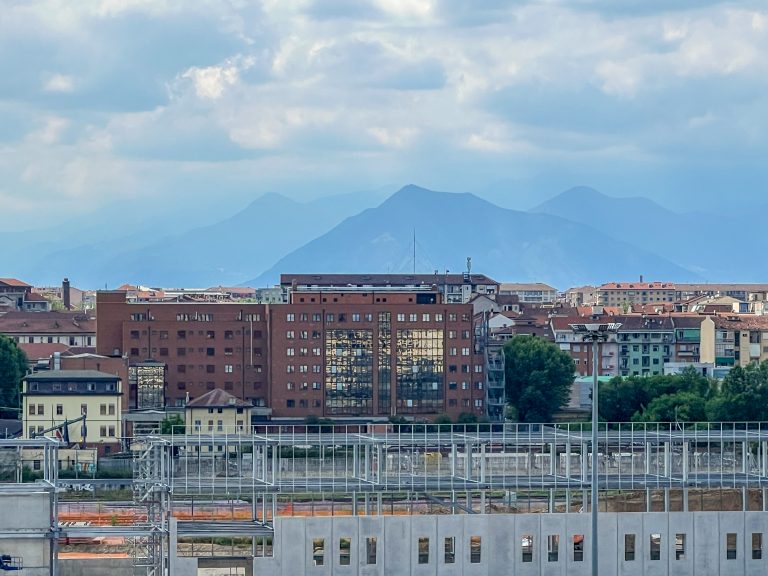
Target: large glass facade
420,371
385,362
349,372
147,379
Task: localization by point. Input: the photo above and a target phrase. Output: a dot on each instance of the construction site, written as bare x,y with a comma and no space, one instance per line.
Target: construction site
413,500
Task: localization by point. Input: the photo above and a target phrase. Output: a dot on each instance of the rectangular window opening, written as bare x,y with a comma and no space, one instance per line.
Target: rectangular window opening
730,546
553,547
629,547
679,546
450,550
475,549
757,545
578,547
423,550
526,542
370,550
655,546
345,546
318,551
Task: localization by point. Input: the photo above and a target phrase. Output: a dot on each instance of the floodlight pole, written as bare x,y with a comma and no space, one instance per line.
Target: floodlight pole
595,333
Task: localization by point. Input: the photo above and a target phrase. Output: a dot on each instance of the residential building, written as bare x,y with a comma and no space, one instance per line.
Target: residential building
71,298
581,351
51,398
72,329
645,344
742,292
178,350
687,340
628,293
16,295
734,340
361,353
492,348
455,288
217,412
581,296
349,353
535,293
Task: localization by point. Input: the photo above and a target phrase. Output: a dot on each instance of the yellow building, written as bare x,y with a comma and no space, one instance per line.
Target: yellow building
51,398
218,412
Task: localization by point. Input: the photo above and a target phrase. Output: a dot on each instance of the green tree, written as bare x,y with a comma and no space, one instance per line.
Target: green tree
680,406
467,418
174,424
539,377
13,367
742,396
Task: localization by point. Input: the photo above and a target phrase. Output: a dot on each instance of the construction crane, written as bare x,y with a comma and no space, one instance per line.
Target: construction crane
62,430
10,563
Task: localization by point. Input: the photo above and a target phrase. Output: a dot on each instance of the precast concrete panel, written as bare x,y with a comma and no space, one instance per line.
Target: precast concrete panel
731,523
345,528
451,526
397,547
424,527
527,525
371,527
295,538
501,551
317,529
656,523
706,540
476,525
681,562
629,524
581,524
551,526
755,523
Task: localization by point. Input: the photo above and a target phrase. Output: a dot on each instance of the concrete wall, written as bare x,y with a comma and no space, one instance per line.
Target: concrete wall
501,544
28,516
110,566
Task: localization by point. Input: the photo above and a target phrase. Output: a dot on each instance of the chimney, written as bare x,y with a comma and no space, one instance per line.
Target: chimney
65,294
641,278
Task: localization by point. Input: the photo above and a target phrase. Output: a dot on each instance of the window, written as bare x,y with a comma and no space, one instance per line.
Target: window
59,409
102,410
315,385
290,317
730,546
355,317
526,543
290,385
329,318
103,431
111,432
553,547
412,317
210,368
289,334
369,317
679,546
345,545
423,550
290,403
210,335
425,317
757,545
303,317
31,410
475,548
318,551
438,317
228,368
370,550
465,351
316,317
450,550
401,317
83,409
41,410
578,547
655,546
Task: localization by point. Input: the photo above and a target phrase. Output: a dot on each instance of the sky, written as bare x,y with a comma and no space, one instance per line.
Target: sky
207,103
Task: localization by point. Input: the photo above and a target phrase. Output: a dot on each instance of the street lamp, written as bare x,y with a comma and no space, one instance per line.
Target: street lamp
595,333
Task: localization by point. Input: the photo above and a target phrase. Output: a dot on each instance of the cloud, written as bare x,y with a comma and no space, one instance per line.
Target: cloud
144,98
59,83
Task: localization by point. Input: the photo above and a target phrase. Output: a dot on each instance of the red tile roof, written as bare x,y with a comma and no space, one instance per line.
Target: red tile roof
14,282
39,351
47,323
637,286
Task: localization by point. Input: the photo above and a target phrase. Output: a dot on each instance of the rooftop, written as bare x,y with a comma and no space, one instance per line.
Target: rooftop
638,286
14,282
47,323
218,398
519,287
71,375
381,279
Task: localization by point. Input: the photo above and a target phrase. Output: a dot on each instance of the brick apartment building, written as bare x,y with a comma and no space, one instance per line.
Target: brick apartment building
341,352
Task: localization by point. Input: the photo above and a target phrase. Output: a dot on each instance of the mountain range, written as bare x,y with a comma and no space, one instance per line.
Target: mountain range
580,236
